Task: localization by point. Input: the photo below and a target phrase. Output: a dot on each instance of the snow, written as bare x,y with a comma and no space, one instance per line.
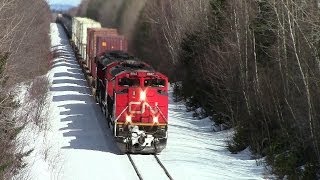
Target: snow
195,151
148,167
78,145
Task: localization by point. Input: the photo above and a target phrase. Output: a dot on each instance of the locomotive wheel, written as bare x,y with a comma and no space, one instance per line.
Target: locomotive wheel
97,96
111,125
102,110
108,118
100,100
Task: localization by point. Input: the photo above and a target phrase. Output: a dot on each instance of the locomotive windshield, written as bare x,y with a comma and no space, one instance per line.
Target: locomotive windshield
154,82
129,82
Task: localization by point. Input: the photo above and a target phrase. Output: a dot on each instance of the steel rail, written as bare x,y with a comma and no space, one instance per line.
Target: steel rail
135,167
162,166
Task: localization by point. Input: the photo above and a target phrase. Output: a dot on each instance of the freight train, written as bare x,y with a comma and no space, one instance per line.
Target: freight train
132,95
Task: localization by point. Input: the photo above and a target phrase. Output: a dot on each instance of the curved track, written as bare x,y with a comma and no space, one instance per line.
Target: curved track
159,163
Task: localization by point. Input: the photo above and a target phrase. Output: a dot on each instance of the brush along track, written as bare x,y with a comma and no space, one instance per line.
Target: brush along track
139,174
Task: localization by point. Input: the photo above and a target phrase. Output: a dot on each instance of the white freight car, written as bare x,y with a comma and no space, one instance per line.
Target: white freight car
79,33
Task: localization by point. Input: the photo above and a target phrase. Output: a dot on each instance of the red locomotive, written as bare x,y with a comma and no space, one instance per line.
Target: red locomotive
132,95
134,99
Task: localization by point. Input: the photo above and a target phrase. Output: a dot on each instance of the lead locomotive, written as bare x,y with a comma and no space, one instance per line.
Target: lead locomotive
134,99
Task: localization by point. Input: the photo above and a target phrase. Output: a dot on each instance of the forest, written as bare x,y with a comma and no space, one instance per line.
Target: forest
24,59
253,66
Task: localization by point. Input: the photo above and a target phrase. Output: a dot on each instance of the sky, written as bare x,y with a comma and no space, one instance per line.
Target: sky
66,2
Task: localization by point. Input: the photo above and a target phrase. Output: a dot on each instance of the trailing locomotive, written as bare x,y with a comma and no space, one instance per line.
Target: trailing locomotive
132,95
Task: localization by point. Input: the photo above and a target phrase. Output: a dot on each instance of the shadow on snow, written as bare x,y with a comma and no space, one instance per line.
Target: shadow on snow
83,121
85,126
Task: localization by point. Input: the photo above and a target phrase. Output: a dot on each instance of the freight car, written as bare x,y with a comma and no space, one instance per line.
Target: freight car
132,95
80,27
101,40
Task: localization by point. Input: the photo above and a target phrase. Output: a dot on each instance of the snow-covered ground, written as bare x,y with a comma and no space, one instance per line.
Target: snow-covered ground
78,145
194,151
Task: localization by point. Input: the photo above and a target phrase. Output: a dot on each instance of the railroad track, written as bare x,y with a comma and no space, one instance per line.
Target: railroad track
156,158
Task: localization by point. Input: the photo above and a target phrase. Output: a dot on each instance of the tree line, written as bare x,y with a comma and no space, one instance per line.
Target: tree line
24,56
250,65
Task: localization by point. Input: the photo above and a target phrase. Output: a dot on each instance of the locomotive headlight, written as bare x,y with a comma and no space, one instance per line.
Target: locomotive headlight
143,96
128,119
155,119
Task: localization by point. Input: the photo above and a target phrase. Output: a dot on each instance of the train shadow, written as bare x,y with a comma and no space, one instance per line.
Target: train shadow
79,82
66,65
63,61
79,89
69,75
74,70
83,126
69,97
82,123
62,35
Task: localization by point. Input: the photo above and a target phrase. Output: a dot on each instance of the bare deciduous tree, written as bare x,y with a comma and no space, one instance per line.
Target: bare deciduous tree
24,52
